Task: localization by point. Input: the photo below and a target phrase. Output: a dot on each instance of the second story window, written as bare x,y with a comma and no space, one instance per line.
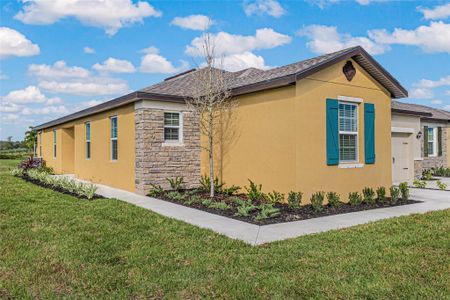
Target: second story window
114,146
88,139
172,127
54,143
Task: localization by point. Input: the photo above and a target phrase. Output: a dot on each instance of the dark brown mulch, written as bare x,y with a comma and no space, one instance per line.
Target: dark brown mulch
287,214
58,189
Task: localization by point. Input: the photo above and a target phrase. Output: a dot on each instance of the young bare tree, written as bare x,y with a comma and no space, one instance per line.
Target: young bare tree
211,101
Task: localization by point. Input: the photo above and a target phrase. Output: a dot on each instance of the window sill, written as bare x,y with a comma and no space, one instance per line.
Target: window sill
350,166
175,144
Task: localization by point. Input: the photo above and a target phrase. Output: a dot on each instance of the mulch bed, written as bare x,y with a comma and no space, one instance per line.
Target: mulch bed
287,214
58,189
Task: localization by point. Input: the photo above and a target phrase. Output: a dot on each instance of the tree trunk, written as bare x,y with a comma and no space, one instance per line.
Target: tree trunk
211,165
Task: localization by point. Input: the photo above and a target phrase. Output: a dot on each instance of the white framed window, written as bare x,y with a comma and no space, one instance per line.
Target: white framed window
54,143
87,126
348,132
114,145
40,144
173,127
432,141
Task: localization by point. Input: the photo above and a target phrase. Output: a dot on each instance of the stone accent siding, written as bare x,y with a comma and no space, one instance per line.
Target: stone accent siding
417,169
154,161
433,161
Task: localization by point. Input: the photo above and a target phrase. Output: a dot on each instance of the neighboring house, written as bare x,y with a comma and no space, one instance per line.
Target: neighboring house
323,124
420,140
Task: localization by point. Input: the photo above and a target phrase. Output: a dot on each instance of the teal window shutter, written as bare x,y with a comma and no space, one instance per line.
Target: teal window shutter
369,133
332,132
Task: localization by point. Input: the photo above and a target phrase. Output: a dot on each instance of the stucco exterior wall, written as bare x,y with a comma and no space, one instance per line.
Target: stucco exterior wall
156,161
71,149
281,137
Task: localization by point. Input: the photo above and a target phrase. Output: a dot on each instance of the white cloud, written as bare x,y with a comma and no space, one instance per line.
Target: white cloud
13,43
326,39
436,101
432,38
91,103
9,118
227,44
92,86
436,13
58,70
88,50
270,7
194,22
30,94
113,65
111,15
447,107
49,110
153,62
7,107
447,92
367,2
236,62
424,88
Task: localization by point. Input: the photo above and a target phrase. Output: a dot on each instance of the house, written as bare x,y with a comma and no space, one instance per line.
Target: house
322,124
420,140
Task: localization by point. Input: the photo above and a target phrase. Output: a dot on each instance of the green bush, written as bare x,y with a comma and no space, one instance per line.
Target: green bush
177,196
176,183
381,194
427,175
354,199
245,210
441,185
333,199
421,184
395,194
369,195
317,201
219,205
275,197
193,199
205,184
254,192
18,172
404,190
294,199
155,191
442,172
230,191
267,211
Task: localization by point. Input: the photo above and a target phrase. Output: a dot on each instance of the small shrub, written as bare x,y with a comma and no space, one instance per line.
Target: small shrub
205,184
404,190
245,210
155,191
275,197
88,190
240,202
333,199
194,199
395,194
441,171
441,185
230,191
18,172
31,163
294,199
207,202
421,184
254,192
354,199
174,195
267,211
381,194
317,201
219,205
369,195
176,183
427,175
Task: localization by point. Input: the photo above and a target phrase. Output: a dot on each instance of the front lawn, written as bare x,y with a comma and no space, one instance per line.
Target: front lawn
54,245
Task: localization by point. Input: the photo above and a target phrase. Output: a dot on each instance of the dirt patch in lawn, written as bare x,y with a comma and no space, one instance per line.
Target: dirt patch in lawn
285,212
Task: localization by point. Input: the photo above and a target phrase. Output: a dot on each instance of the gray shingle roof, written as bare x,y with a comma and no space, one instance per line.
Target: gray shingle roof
431,113
179,87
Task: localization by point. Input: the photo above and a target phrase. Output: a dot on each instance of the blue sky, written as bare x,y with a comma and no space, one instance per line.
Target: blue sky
57,57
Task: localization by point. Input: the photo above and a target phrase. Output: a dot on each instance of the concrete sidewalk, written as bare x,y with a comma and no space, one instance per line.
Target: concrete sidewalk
257,235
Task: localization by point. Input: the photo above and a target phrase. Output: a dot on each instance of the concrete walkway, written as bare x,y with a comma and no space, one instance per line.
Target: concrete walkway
257,235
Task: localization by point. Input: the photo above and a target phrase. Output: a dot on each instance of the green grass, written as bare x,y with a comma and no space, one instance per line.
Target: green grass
56,246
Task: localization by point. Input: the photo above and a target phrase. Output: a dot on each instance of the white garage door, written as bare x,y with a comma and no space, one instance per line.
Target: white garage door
401,164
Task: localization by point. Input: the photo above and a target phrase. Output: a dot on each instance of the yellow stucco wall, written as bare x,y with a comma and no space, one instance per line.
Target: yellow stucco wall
281,137
448,146
71,149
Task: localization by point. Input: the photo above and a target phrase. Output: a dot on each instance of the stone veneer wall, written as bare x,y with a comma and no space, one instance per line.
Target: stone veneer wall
156,162
433,161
